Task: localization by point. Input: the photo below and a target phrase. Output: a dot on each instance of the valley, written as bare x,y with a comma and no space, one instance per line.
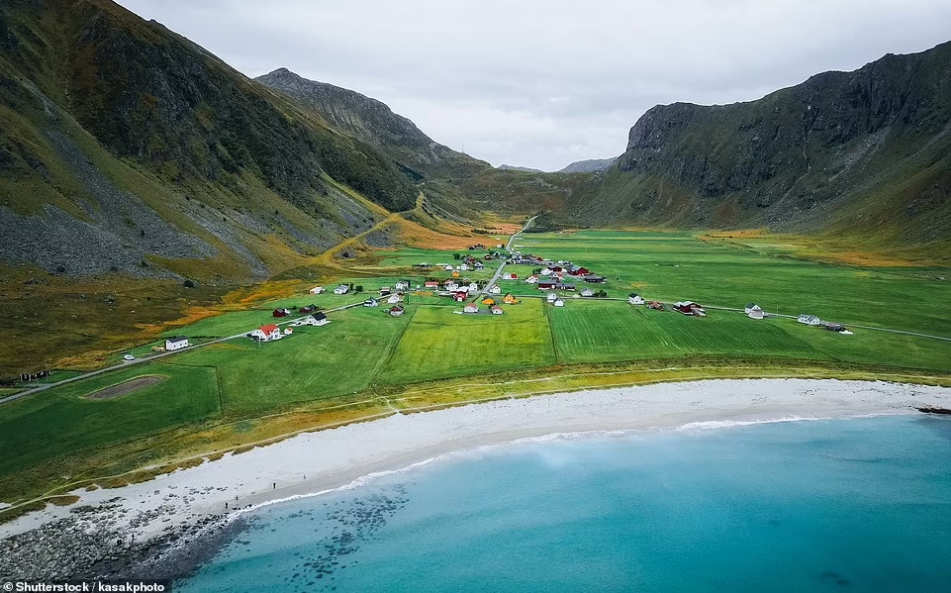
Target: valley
235,393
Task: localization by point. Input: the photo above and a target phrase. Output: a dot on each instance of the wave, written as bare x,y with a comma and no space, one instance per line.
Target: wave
588,435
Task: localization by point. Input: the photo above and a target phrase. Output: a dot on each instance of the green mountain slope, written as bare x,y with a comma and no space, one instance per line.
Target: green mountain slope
369,120
126,147
864,152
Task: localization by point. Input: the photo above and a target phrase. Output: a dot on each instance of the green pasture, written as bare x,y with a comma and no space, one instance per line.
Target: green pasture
314,363
678,266
51,423
439,343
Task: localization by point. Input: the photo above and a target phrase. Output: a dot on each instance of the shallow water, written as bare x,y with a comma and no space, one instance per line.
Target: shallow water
834,505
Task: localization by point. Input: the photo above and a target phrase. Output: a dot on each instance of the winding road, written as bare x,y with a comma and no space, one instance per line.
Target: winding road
508,247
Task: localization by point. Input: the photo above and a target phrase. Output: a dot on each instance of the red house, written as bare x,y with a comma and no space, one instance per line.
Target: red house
280,313
582,272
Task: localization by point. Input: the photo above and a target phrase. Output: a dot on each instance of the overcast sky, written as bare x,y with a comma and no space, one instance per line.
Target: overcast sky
541,83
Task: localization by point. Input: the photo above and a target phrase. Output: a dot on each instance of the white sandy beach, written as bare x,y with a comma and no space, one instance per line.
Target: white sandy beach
315,462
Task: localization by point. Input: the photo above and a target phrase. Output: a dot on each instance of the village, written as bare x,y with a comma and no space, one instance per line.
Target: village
557,281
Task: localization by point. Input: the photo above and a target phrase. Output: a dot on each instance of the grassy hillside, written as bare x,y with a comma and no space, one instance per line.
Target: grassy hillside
157,158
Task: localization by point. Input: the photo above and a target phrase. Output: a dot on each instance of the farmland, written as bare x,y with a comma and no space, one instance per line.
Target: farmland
364,355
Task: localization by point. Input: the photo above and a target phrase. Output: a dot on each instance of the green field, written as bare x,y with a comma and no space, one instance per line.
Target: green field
364,351
439,343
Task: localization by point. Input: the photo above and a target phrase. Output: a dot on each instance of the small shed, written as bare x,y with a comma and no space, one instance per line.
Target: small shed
176,343
497,310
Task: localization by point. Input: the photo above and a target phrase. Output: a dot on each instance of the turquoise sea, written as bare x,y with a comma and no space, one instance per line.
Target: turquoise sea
839,505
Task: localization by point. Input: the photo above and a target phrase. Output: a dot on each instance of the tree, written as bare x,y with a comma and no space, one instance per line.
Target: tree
359,288
456,256
188,284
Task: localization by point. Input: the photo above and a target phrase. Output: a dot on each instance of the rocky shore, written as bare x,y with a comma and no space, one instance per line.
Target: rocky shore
91,543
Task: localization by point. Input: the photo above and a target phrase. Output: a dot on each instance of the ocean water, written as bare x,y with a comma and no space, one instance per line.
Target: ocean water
840,505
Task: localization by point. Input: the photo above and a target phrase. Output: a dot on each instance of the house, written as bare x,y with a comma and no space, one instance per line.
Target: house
395,298
266,333
751,307
756,314
317,290
455,274
396,311
556,268
496,289
635,299
689,308
510,300
448,268
582,272
545,272
546,285
342,289
559,303
510,277
402,285
176,343
371,303
587,292
592,279
281,313
479,265
809,319
317,319
833,327
385,291
464,267
563,286
497,310
656,305
471,308
473,287
532,279
288,331
488,301
461,296
307,309
452,287
552,297
431,284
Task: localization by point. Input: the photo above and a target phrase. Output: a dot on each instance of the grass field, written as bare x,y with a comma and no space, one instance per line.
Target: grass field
439,343
364,355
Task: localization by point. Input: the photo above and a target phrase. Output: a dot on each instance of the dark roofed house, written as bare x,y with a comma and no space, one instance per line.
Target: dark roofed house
280,313
396,311
176,343
593,279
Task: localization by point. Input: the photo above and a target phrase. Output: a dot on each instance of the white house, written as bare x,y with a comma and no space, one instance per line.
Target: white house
317,319
448,268
559,303
635,299
509,277
473,287
546,272
587,292
464,267
497,310
552,297
402,285
809,319
317,290
267,333
395,298
532,279
288,331
751,307
756,313
342,289
496,289
176,343
471,308
371,303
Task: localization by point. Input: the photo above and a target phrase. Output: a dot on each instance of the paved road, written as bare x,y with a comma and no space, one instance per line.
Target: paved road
129,363
508,247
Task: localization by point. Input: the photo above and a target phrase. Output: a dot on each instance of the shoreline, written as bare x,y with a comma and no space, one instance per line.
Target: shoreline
143,525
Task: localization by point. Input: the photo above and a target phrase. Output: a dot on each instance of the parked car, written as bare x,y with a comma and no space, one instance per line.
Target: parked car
128,357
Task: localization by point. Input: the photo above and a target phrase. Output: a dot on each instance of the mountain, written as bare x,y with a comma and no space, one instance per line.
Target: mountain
589,166
371,121
865,154
125,147
522,169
